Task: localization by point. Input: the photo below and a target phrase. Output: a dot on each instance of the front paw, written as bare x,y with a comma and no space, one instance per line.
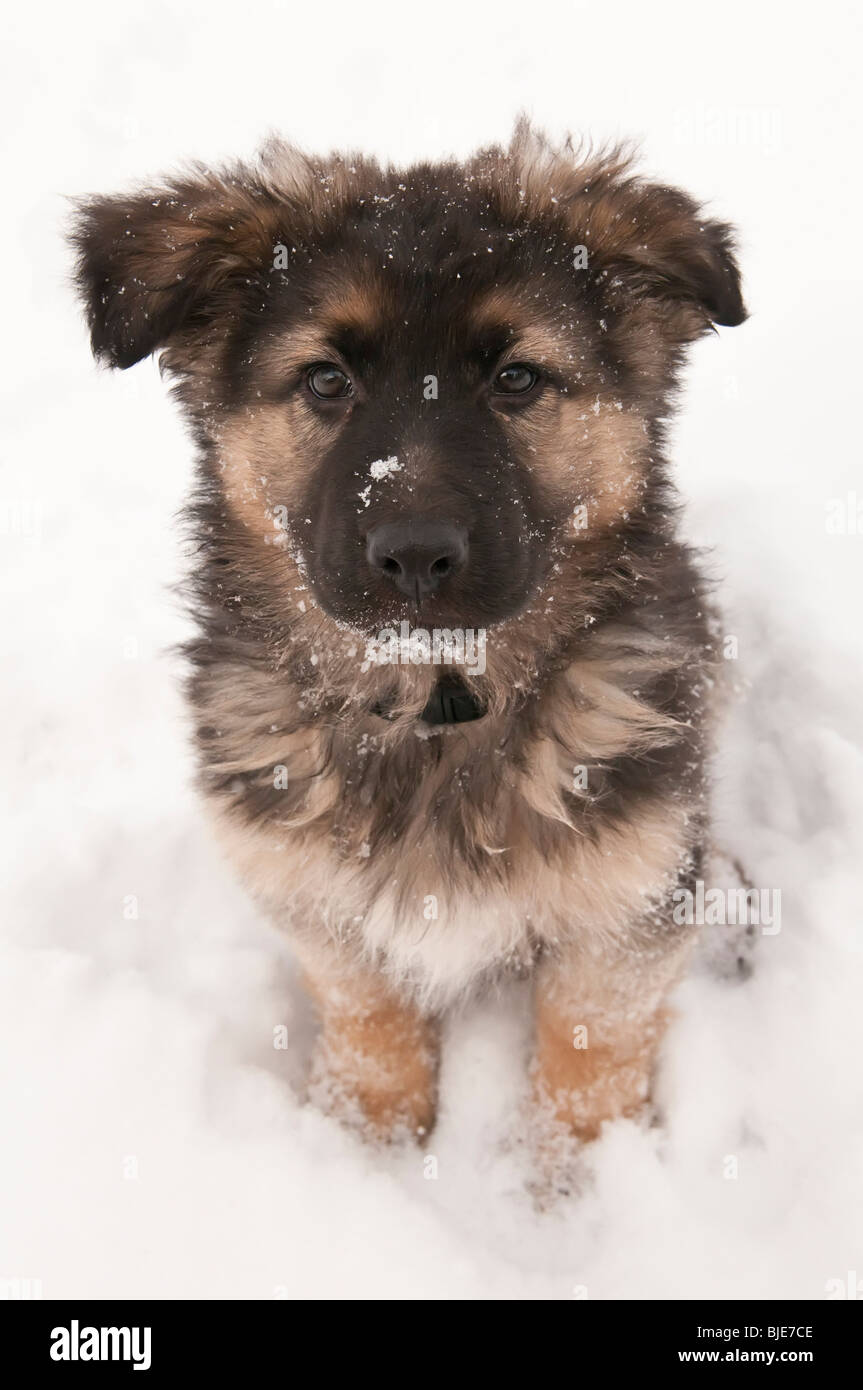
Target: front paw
386,1101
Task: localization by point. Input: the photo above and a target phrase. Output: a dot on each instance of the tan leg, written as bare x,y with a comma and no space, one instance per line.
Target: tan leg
598,1028
377,1056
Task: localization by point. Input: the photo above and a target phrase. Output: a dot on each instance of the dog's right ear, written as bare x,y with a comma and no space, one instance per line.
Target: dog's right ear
161,261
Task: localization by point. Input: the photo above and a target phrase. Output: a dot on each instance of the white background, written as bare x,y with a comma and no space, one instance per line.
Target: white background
153,1141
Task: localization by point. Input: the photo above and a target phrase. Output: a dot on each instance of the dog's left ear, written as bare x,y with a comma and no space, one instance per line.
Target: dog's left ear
654,242
158,263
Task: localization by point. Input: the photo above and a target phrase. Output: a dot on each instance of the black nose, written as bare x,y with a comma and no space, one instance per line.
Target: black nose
418,556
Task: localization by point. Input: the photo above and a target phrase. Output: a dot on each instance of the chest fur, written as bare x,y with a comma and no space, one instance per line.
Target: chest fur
444,857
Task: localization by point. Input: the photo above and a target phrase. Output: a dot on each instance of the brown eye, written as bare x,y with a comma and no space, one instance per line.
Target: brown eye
515,380
328,382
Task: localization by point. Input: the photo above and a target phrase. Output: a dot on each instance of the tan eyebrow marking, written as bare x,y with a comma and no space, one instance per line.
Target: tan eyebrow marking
347,308
534,334
358,307
500,309
297,347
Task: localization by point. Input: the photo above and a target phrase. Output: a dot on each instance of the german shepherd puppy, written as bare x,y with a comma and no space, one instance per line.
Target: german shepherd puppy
451,681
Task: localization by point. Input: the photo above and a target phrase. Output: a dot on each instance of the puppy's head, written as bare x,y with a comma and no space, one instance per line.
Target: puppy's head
431,394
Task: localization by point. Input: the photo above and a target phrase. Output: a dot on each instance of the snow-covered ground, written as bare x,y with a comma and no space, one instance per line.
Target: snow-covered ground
153,1140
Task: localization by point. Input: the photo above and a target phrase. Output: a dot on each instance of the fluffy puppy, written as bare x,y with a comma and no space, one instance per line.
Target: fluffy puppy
433,400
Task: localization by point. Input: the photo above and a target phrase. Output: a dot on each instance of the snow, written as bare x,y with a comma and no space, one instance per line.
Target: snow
155,1141
381,468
